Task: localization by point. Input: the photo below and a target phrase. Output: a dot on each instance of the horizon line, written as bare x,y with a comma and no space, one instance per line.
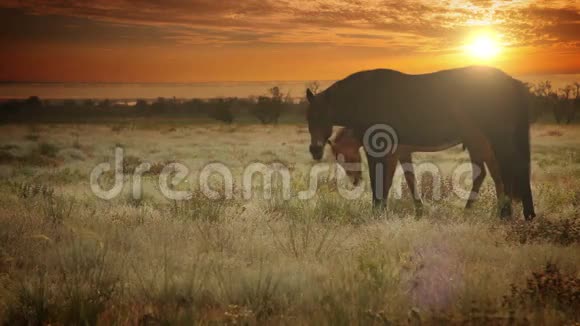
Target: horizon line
218,81
161,82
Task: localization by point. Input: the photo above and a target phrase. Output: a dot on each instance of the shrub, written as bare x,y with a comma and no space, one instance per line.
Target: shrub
56,209
199,207
30,190
48,149
221,111
141,104
563,231
548,288
130,163
267,110
32,137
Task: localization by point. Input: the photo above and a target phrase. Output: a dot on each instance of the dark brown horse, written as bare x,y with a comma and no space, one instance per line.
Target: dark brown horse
481,107
346,150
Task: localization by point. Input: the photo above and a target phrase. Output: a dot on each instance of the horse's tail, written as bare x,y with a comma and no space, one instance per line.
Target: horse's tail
512,150
521,187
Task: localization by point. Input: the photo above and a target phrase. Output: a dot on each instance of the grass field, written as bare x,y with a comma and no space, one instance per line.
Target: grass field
68,257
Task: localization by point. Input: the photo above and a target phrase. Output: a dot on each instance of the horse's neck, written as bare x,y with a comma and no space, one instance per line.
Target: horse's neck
341,115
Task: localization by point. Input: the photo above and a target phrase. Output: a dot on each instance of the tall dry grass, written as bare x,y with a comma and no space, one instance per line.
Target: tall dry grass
67,257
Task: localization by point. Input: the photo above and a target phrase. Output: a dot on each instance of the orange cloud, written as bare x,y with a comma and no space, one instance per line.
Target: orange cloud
282,39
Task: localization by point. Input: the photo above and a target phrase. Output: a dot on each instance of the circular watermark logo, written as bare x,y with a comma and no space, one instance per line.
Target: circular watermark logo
380,140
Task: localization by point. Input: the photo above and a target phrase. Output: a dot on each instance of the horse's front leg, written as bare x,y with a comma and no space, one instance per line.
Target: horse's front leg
376,177
478,174
381,173
409,172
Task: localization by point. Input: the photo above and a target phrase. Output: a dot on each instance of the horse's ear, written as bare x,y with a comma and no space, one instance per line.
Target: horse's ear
309,95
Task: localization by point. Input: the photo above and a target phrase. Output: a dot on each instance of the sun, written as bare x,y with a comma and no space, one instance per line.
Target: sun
483,47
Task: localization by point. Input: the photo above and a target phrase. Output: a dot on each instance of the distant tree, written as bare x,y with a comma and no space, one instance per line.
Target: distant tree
544,88
562,104
288,100
141,104
567,104
576,101
567,91
106,103
194,106
221,110
89,103
69,103
314,86
159,104
275,92
269,109
33,102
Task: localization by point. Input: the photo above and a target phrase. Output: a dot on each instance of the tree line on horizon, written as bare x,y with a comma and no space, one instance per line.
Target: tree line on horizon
266,109
562,104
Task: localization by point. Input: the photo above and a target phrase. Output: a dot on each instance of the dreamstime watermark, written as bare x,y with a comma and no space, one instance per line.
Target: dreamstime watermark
379,141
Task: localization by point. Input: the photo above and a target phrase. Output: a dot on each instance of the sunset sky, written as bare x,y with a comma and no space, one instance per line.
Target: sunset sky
237,40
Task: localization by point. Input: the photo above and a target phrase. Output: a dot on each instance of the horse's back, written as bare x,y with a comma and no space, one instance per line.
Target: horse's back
428,108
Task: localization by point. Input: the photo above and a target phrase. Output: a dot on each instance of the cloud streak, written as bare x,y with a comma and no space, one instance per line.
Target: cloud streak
350,22
179,40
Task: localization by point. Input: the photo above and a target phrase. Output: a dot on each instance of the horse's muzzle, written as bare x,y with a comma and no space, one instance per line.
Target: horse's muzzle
316,152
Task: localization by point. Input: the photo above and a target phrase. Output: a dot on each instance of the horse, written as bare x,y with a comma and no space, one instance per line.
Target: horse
392,113
345,148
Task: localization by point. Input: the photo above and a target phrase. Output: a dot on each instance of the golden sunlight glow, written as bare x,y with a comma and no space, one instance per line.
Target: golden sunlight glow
484,47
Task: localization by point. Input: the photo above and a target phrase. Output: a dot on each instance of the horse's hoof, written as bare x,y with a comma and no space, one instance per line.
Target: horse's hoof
379,205
506,213
469,205
419,211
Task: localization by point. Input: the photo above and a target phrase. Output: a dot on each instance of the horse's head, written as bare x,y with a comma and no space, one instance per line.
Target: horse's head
345,148
319,123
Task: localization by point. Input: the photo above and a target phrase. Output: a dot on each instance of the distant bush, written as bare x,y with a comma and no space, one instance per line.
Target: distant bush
33,102
162,104
70,103
89,103
32,137
141,105
48,149
268,109
221,110
105,103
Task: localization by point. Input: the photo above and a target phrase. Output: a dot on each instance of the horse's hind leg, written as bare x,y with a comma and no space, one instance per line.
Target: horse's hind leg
480,145
503,200
406,161
478,175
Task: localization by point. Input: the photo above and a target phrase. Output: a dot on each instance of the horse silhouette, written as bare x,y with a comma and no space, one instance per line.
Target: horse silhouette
481,107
